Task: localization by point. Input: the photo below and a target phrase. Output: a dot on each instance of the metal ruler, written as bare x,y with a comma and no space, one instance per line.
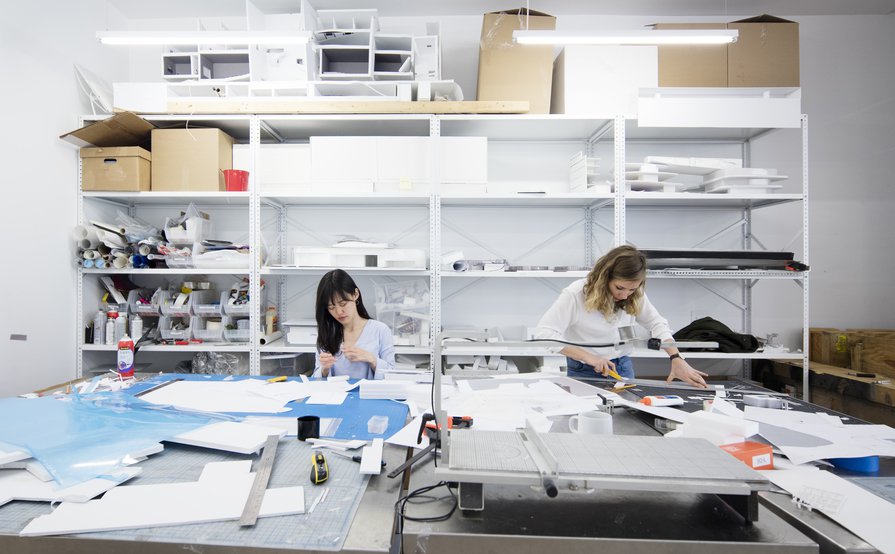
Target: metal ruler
259,486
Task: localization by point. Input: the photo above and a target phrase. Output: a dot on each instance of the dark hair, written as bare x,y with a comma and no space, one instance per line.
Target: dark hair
624,263
336,284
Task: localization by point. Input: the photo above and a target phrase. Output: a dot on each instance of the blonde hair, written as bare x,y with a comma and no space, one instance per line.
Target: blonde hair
624,263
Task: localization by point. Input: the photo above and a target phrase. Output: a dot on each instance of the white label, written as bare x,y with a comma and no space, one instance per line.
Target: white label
125,359
761,460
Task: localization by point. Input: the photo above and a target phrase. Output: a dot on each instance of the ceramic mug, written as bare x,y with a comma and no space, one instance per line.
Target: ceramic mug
593,422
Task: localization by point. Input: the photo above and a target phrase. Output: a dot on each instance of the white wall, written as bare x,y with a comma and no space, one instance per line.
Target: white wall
40,101
847,79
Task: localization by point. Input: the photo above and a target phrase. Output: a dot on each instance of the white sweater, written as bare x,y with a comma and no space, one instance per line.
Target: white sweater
568,319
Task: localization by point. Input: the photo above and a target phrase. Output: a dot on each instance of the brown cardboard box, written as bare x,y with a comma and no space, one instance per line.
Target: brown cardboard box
190,159
124,168
509,71
703,65
123,129
766,53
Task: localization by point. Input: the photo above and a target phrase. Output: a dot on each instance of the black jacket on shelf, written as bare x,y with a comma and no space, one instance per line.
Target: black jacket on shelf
708,329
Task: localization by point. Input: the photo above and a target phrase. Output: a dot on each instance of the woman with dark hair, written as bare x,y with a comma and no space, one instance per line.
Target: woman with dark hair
592,309
348,341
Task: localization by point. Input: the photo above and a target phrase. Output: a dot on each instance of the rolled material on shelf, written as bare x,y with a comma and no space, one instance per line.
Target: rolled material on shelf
109,228
120,262
112,240
85,237
99,263
267,339
103,249
90,254
144,249
86,264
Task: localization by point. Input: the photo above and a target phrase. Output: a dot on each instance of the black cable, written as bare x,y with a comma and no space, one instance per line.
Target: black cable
401,506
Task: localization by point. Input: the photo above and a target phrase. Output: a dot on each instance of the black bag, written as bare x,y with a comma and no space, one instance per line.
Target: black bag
708,329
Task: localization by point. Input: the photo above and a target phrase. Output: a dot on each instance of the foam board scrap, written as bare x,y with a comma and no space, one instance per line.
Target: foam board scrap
231,436
371,460
219,495
19,484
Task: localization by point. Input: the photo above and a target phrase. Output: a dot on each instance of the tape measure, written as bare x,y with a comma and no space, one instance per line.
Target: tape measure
319,469
259,486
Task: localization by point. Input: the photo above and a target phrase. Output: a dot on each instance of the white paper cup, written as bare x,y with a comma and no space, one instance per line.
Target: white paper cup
593,422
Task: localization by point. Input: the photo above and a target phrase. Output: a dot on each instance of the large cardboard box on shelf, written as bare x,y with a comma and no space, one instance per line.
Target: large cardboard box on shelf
510,71
766,54
121,168
190,159
692,65
602,81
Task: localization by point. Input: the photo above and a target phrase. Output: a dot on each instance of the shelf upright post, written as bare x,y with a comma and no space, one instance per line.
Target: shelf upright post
619,180
255,248
434,238
79,279
805,320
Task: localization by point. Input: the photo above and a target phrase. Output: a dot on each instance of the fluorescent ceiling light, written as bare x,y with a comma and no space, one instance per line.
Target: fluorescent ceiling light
663,36
201,37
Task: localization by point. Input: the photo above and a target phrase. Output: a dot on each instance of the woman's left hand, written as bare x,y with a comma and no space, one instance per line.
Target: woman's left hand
680,369
354,354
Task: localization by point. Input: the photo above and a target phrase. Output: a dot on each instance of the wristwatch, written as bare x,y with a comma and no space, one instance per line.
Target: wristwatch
677,355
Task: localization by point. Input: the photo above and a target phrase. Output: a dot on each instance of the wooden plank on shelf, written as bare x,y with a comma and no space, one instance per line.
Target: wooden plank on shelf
313,106
838,378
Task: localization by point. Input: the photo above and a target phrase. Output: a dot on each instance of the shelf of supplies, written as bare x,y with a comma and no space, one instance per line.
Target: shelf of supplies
172,198
536,200
365,199
166,271
724,274
451,350
708,200
318,271
204,347
281,346
514,274
301,127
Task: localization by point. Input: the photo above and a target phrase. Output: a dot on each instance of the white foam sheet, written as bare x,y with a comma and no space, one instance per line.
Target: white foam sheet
858,510
231,436
242,395
327,398
819,439
507,406
407,435
371,460
19,484
9,456
220,494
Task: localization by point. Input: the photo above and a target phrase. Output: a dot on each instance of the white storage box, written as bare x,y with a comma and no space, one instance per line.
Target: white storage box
141,308
233,309
243,334
167,326
301,331
175,303
197,230
207,329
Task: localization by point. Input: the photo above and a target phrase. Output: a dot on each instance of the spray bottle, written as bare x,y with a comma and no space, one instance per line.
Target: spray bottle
126,356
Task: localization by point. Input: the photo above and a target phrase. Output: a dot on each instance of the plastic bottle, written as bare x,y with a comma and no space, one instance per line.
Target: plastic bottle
120,327
99,326
136,327
110,328
126,356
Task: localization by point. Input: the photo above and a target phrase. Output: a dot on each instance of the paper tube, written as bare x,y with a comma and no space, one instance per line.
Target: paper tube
103,250
267,339
99,263
86,264
144,249
85,237
90,254
119,262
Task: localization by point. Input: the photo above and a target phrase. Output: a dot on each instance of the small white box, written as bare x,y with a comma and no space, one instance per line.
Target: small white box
301,331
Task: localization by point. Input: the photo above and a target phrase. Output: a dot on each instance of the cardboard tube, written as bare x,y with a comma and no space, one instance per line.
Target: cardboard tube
86,237
103,250
90,254
144,249
120,262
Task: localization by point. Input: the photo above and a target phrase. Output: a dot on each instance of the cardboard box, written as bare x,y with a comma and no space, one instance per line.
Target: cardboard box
703,65
766,53
602,81
190,159
122,168
754,454
124,129
510,71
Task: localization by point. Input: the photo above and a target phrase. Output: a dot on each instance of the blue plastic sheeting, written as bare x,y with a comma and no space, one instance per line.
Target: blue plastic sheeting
83,437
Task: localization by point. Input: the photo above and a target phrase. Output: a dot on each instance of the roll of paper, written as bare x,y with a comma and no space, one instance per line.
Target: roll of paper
267,339
85,237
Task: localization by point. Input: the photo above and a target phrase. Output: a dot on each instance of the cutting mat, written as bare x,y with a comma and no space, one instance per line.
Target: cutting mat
323,529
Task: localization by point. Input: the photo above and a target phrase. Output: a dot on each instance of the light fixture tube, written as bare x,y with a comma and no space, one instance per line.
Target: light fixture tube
135,38
646,37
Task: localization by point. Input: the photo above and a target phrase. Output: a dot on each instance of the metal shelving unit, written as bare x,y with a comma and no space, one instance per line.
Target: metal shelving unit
270,221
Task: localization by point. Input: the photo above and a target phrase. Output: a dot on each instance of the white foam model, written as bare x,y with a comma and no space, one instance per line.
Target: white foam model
18,484
371,462
231,436
220,494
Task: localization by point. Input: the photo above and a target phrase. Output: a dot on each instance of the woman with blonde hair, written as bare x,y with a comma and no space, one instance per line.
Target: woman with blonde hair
591,310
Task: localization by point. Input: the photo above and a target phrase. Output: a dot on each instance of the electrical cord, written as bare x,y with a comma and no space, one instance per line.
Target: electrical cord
401,507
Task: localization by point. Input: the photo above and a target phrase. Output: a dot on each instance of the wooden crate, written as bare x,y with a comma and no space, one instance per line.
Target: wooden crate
870,350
